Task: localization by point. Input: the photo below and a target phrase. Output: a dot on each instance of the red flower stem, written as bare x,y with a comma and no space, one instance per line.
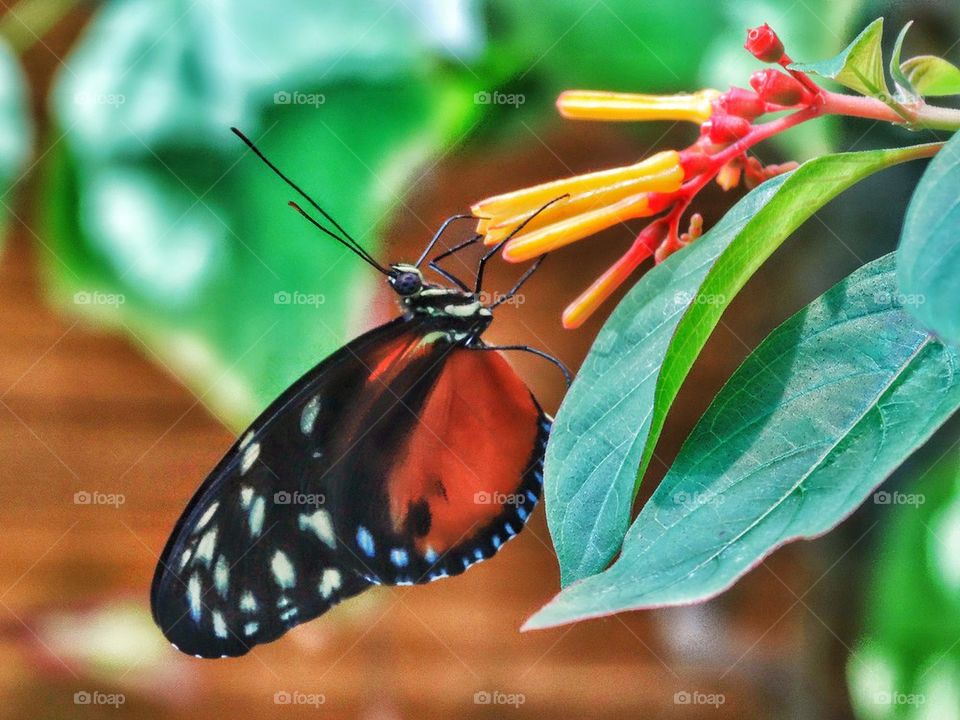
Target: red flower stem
801,77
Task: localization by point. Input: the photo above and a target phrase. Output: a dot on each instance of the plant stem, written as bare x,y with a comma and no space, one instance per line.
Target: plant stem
932,117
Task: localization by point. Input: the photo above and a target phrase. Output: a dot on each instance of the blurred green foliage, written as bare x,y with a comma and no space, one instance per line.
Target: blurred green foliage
907,664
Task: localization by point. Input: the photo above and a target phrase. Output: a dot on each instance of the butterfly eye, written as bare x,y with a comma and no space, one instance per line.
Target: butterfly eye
407,283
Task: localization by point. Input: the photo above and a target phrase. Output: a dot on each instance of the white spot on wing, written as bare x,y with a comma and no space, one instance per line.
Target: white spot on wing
256,517
248,603
219,625
221,576
246,439
185,558
322,524
246,495
193,596
308,417
329,582
250,628
205,518
207,544
283,571
250,456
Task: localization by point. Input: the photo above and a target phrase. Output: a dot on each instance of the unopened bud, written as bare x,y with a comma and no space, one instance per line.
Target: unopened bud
779,88
742,103
725,128
763,44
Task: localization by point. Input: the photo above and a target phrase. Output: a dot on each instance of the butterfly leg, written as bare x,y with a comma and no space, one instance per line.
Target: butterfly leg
526,348
447,253
523,278
437,236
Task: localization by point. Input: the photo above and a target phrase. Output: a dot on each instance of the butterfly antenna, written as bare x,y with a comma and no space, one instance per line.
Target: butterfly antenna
345,239
320,226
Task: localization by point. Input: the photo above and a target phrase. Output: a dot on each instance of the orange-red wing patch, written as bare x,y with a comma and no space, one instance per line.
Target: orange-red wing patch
467,456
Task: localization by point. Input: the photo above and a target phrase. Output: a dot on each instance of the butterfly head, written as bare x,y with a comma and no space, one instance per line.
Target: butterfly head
406,280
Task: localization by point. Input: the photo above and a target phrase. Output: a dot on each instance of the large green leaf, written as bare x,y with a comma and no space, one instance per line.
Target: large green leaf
859,66
15,132
931,75
907,662
929,256
815,418
164,225
612,416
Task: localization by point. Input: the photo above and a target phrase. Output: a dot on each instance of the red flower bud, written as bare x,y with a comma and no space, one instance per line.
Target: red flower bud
693,161
779,88
742,103
763,44
725,128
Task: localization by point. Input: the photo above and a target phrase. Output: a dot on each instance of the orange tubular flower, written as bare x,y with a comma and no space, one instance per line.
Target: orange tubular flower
585,204
593,105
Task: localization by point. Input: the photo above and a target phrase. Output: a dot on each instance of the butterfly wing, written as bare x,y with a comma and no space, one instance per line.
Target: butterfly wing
371,468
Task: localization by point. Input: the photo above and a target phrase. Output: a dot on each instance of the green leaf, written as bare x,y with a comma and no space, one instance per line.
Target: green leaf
912,610
16,135
929,254
859,67
905,90
165,226
931,75
614,412
816,417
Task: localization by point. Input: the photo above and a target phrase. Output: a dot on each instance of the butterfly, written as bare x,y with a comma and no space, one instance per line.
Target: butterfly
408,455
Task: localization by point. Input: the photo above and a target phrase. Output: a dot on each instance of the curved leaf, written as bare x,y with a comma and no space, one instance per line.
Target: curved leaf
815,418
613,414
929,256
931,75
859,66
905,90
